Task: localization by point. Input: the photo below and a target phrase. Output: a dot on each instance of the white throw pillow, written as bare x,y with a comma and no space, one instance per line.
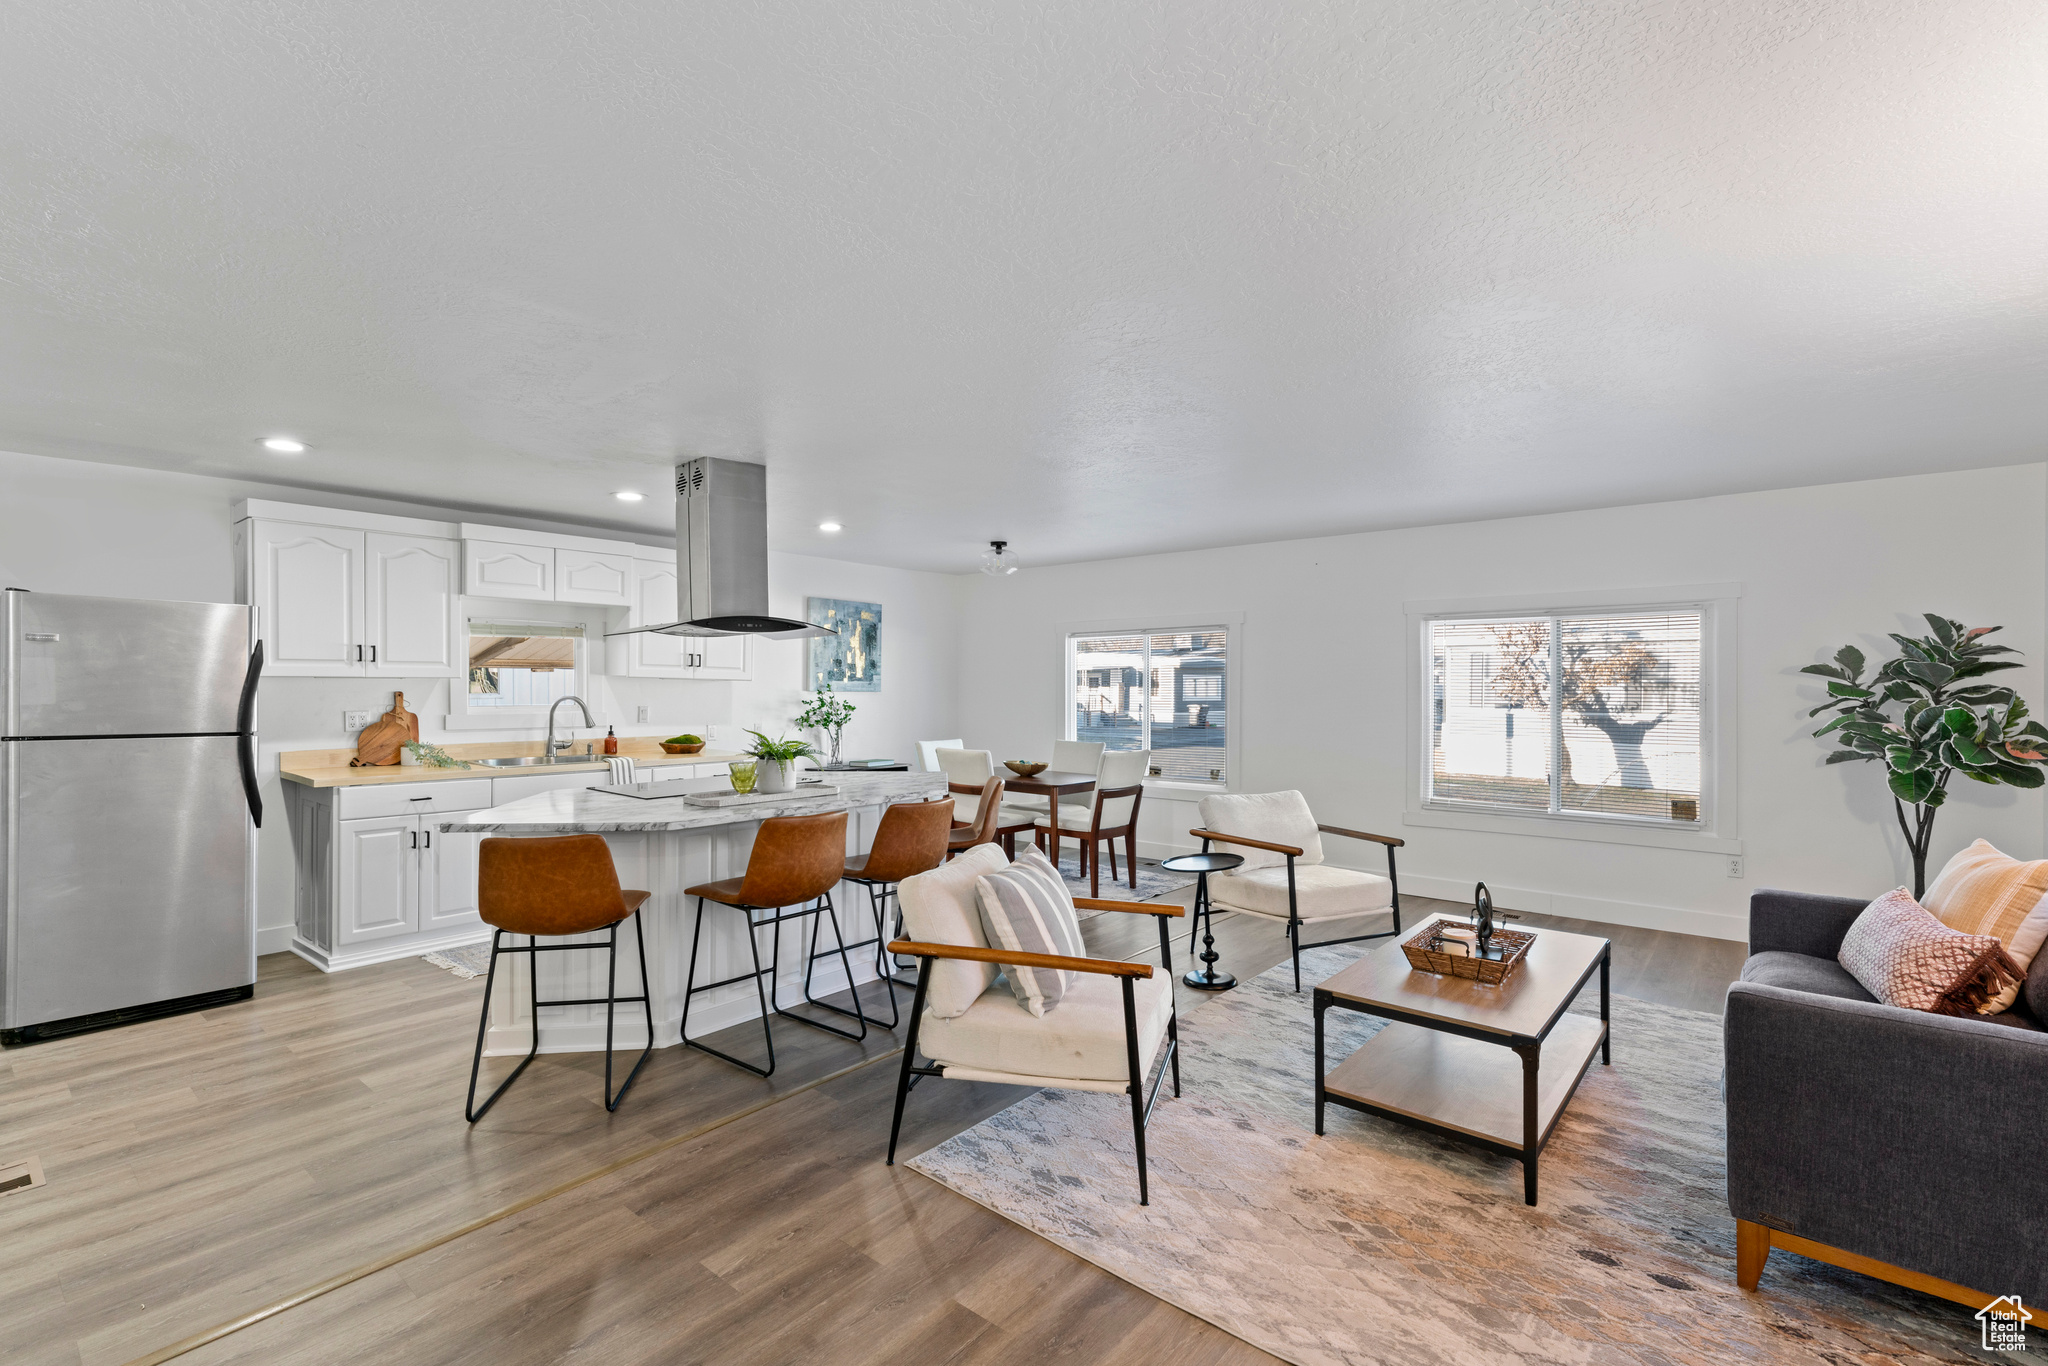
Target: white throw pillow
941,907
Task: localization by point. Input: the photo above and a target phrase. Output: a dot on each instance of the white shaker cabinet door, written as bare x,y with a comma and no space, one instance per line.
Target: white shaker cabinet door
306,583
593,576
447,875
377,879
497,569
721,656
413,607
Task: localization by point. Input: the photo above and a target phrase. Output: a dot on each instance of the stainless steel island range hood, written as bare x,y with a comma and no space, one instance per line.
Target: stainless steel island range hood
722,556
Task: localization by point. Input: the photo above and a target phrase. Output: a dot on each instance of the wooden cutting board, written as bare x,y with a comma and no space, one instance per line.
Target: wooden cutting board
381,740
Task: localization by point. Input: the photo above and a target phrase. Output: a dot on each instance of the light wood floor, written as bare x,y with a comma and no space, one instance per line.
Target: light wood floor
204,1166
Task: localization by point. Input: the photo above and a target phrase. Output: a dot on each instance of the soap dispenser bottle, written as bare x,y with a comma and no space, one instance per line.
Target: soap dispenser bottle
611,741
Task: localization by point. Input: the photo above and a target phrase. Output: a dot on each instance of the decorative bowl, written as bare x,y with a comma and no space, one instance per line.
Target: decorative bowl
1022,769
667,748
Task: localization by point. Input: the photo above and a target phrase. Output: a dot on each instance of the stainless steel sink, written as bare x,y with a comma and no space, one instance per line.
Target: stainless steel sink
537,760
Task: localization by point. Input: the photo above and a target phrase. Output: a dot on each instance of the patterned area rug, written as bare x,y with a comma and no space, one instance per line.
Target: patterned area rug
1151,882
468,961
1382,1244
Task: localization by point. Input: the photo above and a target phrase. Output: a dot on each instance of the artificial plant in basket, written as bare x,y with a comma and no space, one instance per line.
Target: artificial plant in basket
1927,716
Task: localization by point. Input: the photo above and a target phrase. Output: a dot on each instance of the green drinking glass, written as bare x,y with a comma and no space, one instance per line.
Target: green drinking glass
742,777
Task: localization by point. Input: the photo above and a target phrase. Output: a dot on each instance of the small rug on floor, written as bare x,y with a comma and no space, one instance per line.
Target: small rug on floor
1383,1244
1151,882
470,960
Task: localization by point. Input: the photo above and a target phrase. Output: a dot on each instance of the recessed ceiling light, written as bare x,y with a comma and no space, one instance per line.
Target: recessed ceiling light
628,496
283,445
828,526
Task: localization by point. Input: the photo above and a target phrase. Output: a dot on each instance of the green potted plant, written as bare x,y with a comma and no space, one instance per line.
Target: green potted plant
775,761
1927,716
828,714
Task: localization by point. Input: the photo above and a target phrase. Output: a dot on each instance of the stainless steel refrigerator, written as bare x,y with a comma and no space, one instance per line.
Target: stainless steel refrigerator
128,810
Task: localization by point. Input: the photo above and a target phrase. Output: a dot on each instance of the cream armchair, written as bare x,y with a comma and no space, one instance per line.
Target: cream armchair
1284,876
1115,1024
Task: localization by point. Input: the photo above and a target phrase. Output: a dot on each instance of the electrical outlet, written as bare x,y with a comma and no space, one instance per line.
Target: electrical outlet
1735,865
356,720
643,716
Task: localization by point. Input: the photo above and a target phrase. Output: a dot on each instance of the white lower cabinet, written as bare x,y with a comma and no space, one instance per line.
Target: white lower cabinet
376,878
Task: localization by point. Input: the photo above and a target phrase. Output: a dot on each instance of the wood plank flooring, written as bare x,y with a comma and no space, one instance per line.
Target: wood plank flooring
203,1166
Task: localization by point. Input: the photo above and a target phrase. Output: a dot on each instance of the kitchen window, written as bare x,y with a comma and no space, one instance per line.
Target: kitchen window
521,668
1593,716
1159,687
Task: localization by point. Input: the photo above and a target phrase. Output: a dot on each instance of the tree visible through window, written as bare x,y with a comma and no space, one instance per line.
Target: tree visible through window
1579,715
1157,690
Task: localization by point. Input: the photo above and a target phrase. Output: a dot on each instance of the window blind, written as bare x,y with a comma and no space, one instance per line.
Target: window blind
1584,715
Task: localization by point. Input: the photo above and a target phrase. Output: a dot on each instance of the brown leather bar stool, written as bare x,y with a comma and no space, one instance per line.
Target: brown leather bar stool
911,839
559,885
797,861
982,829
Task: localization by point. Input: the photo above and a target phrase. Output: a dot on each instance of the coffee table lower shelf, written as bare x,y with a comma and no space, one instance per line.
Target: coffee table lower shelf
1467,1089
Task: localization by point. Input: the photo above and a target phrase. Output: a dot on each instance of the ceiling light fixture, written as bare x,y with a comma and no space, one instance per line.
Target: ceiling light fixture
284,445
993,563
628,496
828,526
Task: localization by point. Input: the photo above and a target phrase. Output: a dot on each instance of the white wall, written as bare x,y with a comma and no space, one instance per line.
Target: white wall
1322,700
72,527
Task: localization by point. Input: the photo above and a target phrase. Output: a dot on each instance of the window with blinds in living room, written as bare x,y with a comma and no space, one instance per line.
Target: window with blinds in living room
1157,689
1591,715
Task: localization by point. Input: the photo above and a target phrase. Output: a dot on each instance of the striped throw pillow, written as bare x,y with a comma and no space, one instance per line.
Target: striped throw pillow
1982,891
1026,908
1905,957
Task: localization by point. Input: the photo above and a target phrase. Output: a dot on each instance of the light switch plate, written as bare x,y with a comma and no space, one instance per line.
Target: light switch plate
642,716
356,720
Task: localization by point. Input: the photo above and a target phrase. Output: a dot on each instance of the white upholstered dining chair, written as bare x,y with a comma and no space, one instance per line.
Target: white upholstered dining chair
928,752
1284,877
967,773
1114,1025
1104,816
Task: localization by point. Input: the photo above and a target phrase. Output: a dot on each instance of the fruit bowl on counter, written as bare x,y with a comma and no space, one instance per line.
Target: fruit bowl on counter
682,744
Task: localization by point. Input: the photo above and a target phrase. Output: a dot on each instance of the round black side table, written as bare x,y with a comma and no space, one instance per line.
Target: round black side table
1205,978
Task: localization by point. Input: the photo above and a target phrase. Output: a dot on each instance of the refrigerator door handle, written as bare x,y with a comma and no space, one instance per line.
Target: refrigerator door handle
245,738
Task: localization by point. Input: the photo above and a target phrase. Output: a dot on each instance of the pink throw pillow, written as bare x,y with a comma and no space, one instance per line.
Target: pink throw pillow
1905,957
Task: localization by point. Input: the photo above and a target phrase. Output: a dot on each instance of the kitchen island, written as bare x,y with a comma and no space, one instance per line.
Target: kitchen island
662,846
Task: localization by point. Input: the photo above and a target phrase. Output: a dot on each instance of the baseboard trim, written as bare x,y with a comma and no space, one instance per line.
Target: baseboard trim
276,939
1708,924
1755,1243
345,959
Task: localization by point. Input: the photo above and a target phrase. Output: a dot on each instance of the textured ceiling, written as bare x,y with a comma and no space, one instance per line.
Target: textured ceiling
1098,277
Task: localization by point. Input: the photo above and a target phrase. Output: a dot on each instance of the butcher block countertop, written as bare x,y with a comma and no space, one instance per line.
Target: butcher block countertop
329,767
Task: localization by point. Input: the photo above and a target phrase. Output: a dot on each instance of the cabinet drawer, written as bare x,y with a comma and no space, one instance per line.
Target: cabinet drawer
412,799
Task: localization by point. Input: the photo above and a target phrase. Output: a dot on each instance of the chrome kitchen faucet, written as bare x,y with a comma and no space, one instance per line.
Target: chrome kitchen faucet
554,747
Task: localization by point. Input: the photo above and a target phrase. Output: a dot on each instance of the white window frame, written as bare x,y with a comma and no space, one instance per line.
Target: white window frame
1718,830
1232,624
462,716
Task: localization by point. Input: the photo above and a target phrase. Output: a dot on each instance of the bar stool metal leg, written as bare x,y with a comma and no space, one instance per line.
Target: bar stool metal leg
470,1110
690,990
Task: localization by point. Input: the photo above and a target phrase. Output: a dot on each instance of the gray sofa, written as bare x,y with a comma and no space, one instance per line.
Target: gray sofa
1887,1134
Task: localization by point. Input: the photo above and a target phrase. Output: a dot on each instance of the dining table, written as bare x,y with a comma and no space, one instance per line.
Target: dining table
1051,784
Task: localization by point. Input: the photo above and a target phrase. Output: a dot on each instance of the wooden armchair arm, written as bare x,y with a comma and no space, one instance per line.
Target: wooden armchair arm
1387,840
1286,849
1108,967
1089,903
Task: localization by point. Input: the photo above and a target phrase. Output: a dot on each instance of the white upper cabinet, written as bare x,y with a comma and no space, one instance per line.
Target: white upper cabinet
496,569
594,576
412,617
722,656
306,583
654,602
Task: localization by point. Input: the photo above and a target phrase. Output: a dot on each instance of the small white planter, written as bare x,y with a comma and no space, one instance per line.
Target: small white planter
774,777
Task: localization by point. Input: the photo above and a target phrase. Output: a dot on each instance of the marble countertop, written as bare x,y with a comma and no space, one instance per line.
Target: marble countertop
570,811
329,768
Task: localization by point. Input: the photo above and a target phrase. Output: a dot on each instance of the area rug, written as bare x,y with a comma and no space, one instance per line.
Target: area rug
1152,883
469,960
1382,1244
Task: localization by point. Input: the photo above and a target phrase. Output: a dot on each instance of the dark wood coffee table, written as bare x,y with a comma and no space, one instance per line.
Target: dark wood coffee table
1440,1064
